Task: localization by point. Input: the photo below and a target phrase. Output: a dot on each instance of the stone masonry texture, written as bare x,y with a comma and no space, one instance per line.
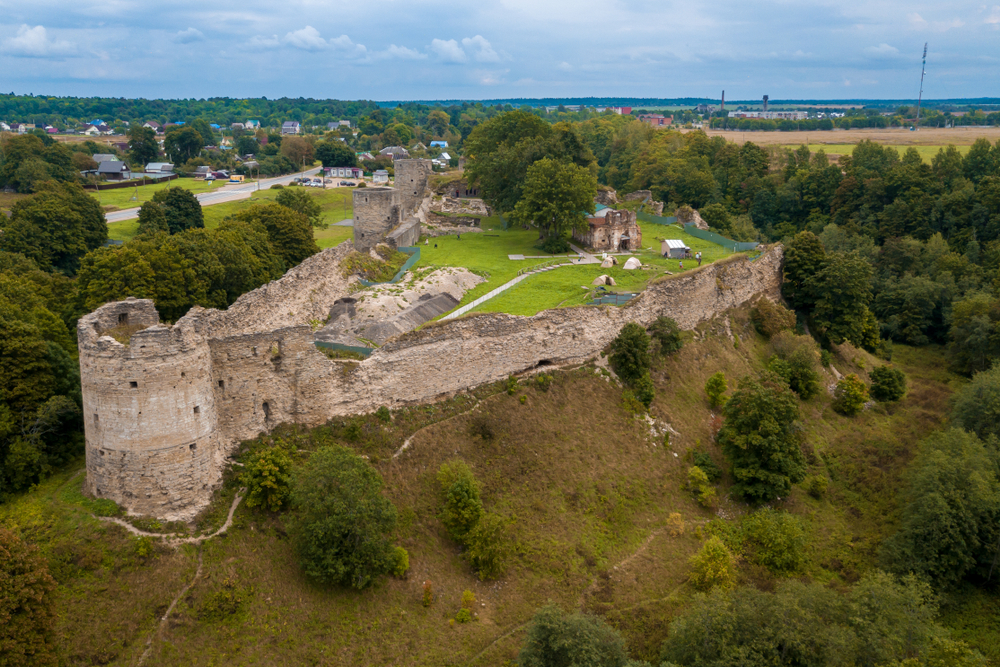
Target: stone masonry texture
165,410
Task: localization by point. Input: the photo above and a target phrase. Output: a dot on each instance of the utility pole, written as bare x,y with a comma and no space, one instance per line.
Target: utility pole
923,70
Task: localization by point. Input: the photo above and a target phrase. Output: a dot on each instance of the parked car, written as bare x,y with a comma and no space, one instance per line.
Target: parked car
296,180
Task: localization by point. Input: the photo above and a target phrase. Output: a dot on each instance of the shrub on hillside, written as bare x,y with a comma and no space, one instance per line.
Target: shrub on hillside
556,638
878,621
850,395
487,546
949,526
344,522
266,475
461,507
761,439
795,360
715,387
977,404
630,353
771,318
667,334
888,384
699,485
774,539
712,470
27,605
713,566
644,390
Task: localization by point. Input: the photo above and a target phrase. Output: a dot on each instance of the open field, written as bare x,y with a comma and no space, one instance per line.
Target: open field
959,136
486,254
123,197
336,204
586,489
925,152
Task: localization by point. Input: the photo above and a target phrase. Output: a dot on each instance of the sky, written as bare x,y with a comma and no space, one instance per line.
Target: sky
429,49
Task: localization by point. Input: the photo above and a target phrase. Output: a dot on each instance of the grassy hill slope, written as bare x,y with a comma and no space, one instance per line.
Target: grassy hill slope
588,490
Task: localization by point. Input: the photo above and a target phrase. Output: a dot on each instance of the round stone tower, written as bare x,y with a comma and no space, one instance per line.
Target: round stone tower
149,411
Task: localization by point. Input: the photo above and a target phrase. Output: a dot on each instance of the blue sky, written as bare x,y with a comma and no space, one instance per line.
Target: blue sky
429,49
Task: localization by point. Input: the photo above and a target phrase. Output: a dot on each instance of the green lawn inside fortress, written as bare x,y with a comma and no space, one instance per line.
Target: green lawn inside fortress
486,254
336,204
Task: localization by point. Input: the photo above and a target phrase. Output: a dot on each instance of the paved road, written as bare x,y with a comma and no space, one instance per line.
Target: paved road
224,194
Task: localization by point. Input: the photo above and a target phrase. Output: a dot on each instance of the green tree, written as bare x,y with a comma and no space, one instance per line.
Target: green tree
556,639
55,227
630,353
290,233
667,334
27,605
715,387
300,201
182,143
796,360
298,150
952,507
487,546
142,146
343,521
977,404
461,507
770,318
879,620
27,162
761,439
501,150
888,384
153,219
266,475
713,566
181,207
843,291
775,540
335,154
557,197
850,395
804,258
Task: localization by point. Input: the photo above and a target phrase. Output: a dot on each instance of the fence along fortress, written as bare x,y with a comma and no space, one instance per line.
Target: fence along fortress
163,410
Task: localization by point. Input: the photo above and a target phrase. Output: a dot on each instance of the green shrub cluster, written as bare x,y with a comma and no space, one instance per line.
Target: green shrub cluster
631,360
888,384
714,566
850,395
699,485
771,318
483,534
267,476
667,334
715,387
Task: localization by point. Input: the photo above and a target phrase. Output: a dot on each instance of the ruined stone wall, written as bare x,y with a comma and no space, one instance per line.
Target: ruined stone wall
376,213
149,450
411,183
405,235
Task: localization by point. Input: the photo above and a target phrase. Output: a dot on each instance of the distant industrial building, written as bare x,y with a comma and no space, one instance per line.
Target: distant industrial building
770,115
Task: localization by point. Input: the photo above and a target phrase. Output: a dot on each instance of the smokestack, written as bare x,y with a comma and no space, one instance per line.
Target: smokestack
723,107
765,103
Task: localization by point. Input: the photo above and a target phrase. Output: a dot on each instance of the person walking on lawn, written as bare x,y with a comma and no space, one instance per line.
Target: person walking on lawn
697,256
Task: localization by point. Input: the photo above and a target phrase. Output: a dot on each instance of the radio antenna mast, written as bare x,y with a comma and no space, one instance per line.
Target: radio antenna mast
923,70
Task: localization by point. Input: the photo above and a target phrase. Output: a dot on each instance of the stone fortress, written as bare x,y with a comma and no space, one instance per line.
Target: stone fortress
392,215
164,409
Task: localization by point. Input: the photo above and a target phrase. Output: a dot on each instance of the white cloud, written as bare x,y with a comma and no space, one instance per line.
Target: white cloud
882,50
401,53
188,36
449,51
481,49
916,20
993,20
307,38
34,42
565,66
261,42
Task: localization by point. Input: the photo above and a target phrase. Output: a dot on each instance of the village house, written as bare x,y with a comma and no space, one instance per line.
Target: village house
153,125
343,172
291,127
252,125
114,171
656,120
159,168
397,152
610,230
104,157
380,176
